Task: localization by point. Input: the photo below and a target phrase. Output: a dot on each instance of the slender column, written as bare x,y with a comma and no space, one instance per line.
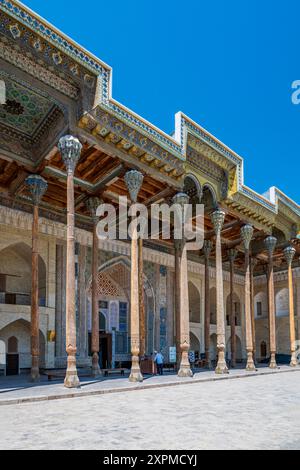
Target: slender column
218,218
232,255
207,250
177,245
134,181
180,200
247,234
289,254
142,301
70,149
253,262
92,204
37,187
270,243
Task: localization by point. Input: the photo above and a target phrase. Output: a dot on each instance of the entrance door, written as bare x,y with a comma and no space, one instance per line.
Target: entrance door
12,364
105,348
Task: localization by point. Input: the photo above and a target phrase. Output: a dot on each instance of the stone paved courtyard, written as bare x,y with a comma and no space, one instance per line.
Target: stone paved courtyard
260,412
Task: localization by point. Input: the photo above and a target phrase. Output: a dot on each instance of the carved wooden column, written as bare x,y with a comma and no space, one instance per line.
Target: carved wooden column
289,254
253,262
142,300
70,149
270,243
180,200
232,255
37,187
92,204
207,250
247,234
134,181
218,218
177,245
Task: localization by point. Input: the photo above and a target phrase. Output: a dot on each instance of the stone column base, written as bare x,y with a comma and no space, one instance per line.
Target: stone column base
71,379
294,362
273,363
135,373
250,367
221,366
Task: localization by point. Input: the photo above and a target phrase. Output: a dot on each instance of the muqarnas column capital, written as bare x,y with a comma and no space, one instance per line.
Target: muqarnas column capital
247,234
70,150
218,218
289,253
133,180
37,187
270,244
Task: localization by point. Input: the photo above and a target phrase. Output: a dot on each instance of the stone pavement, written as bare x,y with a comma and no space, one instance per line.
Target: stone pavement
262,412
17,390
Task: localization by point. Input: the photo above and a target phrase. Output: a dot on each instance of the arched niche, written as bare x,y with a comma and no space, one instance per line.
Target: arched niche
261,305
194,303
15,273
209,198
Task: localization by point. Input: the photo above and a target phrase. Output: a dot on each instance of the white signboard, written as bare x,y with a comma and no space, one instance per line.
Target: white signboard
172,354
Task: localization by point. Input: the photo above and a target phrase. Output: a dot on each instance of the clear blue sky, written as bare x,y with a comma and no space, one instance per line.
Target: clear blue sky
228,64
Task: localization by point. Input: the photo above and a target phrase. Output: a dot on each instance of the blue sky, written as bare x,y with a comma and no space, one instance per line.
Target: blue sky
228,64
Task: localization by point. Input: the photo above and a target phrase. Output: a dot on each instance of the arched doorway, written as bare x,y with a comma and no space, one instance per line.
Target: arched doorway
113,290
195,345
263,350
16,336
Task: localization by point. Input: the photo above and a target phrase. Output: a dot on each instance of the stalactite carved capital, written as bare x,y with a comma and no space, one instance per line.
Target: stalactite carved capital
289,253
270,244
246,235
70,150
207,247
37,187
133,180
217,219
232,254
181,199
92,205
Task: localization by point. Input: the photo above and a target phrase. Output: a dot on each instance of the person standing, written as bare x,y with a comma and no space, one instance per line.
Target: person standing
159,361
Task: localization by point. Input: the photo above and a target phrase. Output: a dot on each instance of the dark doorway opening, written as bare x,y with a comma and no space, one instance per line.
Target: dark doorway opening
12,364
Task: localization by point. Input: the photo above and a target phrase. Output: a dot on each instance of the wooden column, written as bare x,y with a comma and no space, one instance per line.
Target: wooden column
177,245
141,300
92,204
289,254
70,149
179,201
253,262
270,243
37,187
207,250
232,255
218,218
247,234
134,181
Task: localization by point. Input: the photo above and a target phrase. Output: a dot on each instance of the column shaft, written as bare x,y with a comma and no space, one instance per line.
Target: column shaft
177,301
35,346
252,261
221,365
185,367
141,300
207,314
96,372
135,375
71,379
232,315
272,319
249,342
